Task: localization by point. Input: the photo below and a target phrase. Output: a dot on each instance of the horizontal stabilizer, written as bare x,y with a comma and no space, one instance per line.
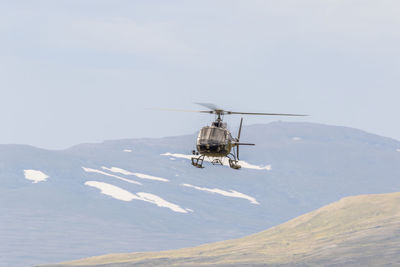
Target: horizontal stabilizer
244,144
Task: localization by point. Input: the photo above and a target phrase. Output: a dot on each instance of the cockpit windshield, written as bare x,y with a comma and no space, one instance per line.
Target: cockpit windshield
210,135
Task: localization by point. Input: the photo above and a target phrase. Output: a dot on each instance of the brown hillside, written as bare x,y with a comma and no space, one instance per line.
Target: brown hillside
360,231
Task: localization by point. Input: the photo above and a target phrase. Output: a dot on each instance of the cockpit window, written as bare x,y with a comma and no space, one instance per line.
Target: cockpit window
212,135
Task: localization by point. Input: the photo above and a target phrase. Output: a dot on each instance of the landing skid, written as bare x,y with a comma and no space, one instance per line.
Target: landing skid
198,161
233,162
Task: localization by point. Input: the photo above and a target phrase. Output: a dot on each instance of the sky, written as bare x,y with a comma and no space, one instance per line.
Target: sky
78,71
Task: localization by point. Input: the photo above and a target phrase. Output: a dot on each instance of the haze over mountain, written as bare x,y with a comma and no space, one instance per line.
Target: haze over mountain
143,194
355,231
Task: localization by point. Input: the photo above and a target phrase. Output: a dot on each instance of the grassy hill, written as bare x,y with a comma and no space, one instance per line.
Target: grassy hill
361,231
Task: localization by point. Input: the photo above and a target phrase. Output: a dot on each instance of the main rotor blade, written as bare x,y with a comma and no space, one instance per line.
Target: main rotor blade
209,105
256,113
186,110
215,110
238,138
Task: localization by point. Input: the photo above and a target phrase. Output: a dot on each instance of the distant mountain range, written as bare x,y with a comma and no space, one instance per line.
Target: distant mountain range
355,231
144,195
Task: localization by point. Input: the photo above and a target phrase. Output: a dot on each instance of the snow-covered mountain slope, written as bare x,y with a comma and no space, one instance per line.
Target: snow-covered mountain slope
143,194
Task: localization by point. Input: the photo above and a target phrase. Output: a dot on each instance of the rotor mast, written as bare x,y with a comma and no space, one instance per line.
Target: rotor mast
219,112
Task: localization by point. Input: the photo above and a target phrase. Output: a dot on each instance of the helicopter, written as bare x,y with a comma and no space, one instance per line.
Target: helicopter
216,141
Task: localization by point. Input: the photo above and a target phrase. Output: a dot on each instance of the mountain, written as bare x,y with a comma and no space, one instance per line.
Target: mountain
144,195
355,231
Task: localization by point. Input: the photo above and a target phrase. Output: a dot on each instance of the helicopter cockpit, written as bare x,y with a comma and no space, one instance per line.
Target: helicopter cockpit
219,124
212,139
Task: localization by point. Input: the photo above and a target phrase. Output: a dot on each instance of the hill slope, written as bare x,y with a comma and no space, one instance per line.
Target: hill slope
362,230
144,195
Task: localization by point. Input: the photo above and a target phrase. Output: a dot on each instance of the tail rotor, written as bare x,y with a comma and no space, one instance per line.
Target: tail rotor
238,138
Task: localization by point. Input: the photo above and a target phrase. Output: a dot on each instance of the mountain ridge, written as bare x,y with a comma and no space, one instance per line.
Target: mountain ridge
190,135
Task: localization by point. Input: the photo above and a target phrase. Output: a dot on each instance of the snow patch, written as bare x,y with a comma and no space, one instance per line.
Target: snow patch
127,150
124,195
247,165
35,176
112,190
176,155
297,138
231,193
139,175
150,177
111,175
160,202
242,163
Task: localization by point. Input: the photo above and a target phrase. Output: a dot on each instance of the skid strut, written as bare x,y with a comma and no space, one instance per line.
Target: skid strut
217,162
198,161
233,162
